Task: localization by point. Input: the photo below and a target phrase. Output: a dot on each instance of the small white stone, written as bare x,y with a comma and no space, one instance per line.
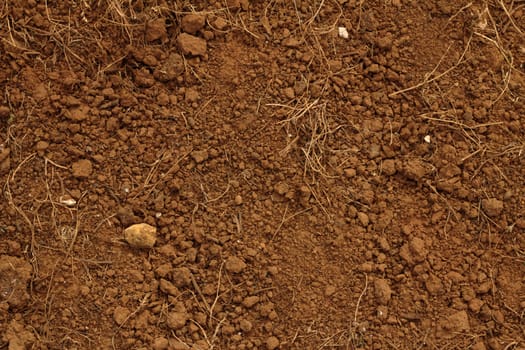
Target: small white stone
343,33
68,201
427,138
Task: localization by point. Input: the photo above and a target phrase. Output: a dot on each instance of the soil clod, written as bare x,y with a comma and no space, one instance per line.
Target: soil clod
191,45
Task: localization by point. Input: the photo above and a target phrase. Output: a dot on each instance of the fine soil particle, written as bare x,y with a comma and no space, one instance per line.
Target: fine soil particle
293,187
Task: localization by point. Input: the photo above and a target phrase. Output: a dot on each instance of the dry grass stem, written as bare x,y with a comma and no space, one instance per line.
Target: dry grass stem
497,41
164,177
286,219
509,15
359,299
307,121
119,17
430,77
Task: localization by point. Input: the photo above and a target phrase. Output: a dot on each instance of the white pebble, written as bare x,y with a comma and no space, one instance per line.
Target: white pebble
141,235
68,201
343,33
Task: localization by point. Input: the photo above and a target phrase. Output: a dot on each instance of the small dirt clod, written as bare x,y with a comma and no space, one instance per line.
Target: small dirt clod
15,274
492,207
120,315
82,168
272,343
191,45
454,324
156,29
235,265
177,320
160,343
250,301
382,290
192,23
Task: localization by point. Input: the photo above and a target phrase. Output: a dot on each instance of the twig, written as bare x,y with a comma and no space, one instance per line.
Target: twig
439,76
285,219
359,299
198,290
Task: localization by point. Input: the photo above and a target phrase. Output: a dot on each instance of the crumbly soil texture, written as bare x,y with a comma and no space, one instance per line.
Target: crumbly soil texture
249,174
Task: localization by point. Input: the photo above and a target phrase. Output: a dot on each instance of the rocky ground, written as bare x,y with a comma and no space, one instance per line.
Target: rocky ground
324,174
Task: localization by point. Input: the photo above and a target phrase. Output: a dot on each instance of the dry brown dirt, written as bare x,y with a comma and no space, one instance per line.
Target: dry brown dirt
302,190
